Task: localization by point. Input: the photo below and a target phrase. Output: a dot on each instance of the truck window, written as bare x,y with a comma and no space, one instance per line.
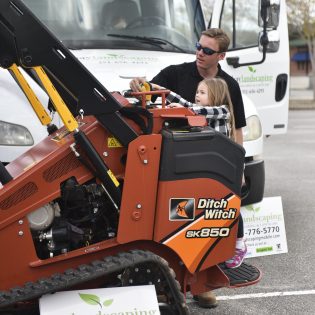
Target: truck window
242,27
181,17
111,24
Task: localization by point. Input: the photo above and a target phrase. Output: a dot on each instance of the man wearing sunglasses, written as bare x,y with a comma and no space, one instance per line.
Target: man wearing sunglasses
183,79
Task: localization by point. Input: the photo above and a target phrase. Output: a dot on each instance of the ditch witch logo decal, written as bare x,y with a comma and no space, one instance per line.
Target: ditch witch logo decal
204,226
182,209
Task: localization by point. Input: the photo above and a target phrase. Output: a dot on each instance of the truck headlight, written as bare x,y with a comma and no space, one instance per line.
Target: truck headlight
12,134
253,129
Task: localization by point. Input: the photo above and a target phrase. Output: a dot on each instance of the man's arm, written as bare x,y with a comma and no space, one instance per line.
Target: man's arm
239,136
239,140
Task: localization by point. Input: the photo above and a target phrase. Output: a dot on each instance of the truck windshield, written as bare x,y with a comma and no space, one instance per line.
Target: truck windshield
173,25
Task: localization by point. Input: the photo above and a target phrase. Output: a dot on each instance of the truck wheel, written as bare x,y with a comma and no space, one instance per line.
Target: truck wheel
255,180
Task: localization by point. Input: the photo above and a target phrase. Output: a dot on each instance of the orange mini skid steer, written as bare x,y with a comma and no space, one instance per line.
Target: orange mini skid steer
121,195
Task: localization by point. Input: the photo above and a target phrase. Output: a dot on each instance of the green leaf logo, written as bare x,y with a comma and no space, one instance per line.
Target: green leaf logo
90,299
257,209
251,69
249,207
108,302
94,300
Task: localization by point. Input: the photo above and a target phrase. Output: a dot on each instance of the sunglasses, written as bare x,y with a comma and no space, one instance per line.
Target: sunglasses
206,50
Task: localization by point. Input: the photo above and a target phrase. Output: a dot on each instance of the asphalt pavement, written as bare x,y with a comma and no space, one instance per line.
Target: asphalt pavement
288,283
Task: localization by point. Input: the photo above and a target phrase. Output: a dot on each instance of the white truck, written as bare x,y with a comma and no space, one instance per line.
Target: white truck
120,39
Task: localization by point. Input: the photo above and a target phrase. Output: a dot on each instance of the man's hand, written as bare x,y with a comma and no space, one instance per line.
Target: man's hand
135,84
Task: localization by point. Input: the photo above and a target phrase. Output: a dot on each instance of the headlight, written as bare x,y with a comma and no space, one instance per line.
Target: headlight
253,130
11,134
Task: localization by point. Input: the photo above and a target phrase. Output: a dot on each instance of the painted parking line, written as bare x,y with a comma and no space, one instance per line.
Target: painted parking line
263,295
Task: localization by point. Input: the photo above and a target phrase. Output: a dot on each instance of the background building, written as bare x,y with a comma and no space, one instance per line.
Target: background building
300,59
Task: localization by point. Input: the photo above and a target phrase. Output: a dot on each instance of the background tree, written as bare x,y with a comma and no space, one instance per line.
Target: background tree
301,19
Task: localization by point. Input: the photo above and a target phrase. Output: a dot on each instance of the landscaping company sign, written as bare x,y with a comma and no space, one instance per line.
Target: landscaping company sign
253,82
108,301
99,58
264,228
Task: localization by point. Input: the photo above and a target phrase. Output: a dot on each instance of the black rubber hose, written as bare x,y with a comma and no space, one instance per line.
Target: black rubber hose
101,169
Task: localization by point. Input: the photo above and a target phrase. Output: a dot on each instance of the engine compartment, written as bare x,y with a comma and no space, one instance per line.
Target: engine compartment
81,216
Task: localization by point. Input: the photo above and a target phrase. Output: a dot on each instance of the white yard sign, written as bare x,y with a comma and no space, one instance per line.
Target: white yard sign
264,228
109,301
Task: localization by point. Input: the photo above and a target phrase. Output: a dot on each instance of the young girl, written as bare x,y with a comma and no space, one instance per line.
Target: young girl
213,100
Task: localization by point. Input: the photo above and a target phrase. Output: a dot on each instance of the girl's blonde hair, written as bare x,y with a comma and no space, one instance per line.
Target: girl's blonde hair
219,94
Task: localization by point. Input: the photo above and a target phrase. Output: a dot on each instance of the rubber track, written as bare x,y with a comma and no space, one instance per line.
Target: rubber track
95,270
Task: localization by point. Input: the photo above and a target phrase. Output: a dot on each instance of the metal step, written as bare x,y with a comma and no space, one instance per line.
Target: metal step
242,276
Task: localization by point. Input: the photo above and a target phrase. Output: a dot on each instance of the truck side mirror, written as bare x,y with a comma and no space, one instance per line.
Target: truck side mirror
272,11
269,39
273,41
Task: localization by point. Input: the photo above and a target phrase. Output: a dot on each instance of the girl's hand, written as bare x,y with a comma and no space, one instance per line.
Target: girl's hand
174,105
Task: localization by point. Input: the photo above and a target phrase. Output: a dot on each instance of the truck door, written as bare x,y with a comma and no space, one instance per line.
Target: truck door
266,84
